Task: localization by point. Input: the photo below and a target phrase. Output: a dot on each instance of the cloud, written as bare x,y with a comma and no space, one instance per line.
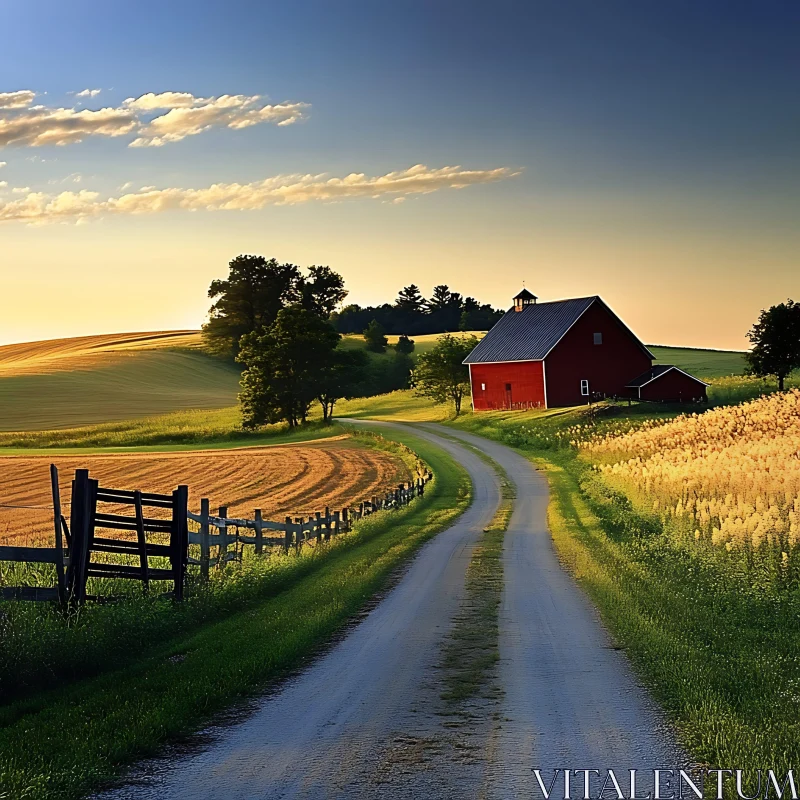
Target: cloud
154,102
39,207
3,164
3,184
191,116
21,189
38,126
21,99
24,124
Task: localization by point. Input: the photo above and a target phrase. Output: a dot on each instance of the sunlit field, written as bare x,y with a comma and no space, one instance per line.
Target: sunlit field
729,477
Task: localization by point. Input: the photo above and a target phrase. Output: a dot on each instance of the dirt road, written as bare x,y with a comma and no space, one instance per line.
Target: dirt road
365,720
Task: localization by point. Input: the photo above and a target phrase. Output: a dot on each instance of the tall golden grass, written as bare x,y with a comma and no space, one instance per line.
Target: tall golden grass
732,473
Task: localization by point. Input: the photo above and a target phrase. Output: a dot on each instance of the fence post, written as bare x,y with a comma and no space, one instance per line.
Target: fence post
327,523
298,521
336,521
205,545
319,526
288,535
258,527
345,519
79,528
179,538
62,591
223,535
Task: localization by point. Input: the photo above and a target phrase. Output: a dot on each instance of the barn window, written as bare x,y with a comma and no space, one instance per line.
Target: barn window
483,387
508,387
598,338
585,388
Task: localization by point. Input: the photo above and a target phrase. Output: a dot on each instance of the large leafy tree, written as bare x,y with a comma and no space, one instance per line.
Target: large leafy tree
256,289
776,342
322,291
440,373
284,367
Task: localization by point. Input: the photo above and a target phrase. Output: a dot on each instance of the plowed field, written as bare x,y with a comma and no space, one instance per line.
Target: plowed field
292,479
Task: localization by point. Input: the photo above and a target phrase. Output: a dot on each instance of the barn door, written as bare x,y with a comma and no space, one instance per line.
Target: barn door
508,396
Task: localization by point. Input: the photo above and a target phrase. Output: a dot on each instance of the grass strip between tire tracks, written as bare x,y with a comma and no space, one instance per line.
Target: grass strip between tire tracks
80,737
470,654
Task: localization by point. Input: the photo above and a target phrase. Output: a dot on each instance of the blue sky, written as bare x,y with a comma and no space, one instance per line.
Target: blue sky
648,154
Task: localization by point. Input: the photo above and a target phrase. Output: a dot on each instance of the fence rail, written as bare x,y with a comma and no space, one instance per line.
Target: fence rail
72,551
294,531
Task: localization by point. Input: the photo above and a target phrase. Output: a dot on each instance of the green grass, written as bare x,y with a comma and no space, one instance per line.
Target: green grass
78,737
403,405
181,430
703,364
140,384
718,651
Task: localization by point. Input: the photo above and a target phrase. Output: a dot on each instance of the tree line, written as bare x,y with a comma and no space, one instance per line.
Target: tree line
412,314
281,322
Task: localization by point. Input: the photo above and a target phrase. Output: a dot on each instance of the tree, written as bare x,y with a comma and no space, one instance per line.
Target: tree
375,334
776,342
322,291
257,289
284,365
440,373
404,345
440,298
410,299
342,376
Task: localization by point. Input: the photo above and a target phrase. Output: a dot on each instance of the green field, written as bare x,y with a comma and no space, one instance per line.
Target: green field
703,364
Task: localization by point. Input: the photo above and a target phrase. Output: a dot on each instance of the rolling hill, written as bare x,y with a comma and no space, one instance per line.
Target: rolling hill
64,383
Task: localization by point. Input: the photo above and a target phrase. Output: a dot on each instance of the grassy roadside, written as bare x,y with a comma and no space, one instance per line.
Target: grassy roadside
719,655
119,716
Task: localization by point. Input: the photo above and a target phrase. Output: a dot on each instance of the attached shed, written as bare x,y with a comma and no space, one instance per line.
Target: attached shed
668,384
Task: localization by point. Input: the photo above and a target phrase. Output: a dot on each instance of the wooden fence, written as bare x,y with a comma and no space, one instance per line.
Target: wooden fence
75,543
293,531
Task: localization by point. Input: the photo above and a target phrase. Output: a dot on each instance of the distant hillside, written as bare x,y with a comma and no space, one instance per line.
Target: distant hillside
67,382
704,364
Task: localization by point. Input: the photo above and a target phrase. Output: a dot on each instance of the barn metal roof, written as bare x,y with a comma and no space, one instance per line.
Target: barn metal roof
656,372
530,334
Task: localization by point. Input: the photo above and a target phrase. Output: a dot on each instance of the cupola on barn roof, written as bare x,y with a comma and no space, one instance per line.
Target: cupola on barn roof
525,295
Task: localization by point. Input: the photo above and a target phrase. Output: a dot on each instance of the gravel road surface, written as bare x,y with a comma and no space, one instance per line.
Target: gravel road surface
365,720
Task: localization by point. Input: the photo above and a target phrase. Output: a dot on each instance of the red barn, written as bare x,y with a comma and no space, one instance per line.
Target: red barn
564,353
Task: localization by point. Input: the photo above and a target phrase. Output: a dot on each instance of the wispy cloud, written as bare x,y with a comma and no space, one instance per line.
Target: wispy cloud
24,124
21,99
39,207
190,116
38,126
3,164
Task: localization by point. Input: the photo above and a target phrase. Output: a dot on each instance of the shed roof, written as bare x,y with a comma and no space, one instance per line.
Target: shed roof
656,372
530,334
